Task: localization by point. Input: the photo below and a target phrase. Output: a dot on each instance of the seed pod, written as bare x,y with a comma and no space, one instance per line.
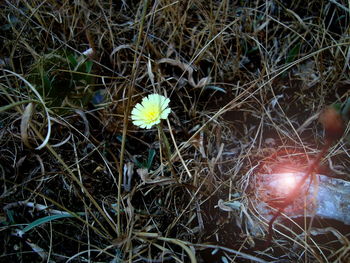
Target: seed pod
333,124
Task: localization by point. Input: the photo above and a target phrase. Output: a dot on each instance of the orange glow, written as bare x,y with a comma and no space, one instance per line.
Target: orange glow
282,172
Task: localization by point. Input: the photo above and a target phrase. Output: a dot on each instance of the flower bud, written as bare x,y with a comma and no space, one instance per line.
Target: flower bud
333,124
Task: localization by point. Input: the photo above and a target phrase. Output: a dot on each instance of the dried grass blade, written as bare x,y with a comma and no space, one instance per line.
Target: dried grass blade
86,122
236,252
182,245
25,120
41,252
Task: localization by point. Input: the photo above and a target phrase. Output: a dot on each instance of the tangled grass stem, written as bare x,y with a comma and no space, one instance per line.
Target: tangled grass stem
128,107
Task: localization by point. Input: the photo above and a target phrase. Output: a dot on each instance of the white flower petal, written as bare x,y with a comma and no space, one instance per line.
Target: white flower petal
139,107
135,115
138,122
147,103
153,97
165,113
165,103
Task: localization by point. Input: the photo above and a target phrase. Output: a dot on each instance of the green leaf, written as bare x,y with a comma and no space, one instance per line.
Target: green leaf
151,154
73,61
46,83
88,66
337,106
10,214
45,219
138,164
346,108
293,53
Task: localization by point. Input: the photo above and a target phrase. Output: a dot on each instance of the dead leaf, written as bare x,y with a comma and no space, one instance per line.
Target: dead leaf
25,120
186,68
229,206
143,173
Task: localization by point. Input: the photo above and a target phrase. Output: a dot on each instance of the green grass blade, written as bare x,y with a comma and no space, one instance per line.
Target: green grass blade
12,105
46,219
151,154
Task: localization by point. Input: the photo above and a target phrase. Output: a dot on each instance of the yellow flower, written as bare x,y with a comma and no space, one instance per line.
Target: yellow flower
150,111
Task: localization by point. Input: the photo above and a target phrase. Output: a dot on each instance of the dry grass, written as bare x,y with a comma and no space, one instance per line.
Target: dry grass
246,80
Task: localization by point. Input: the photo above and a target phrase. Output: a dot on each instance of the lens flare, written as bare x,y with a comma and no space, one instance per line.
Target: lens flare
280,185
287,182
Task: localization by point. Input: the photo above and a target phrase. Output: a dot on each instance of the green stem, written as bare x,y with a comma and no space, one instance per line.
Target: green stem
164,139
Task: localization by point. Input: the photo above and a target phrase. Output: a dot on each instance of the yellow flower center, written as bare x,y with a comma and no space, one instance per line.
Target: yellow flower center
152,114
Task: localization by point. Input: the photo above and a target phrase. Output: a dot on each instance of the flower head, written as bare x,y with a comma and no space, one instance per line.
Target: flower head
150,111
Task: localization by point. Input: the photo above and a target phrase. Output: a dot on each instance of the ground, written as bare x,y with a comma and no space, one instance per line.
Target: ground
246,81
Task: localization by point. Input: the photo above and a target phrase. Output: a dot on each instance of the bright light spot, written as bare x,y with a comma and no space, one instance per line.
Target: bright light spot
287,182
